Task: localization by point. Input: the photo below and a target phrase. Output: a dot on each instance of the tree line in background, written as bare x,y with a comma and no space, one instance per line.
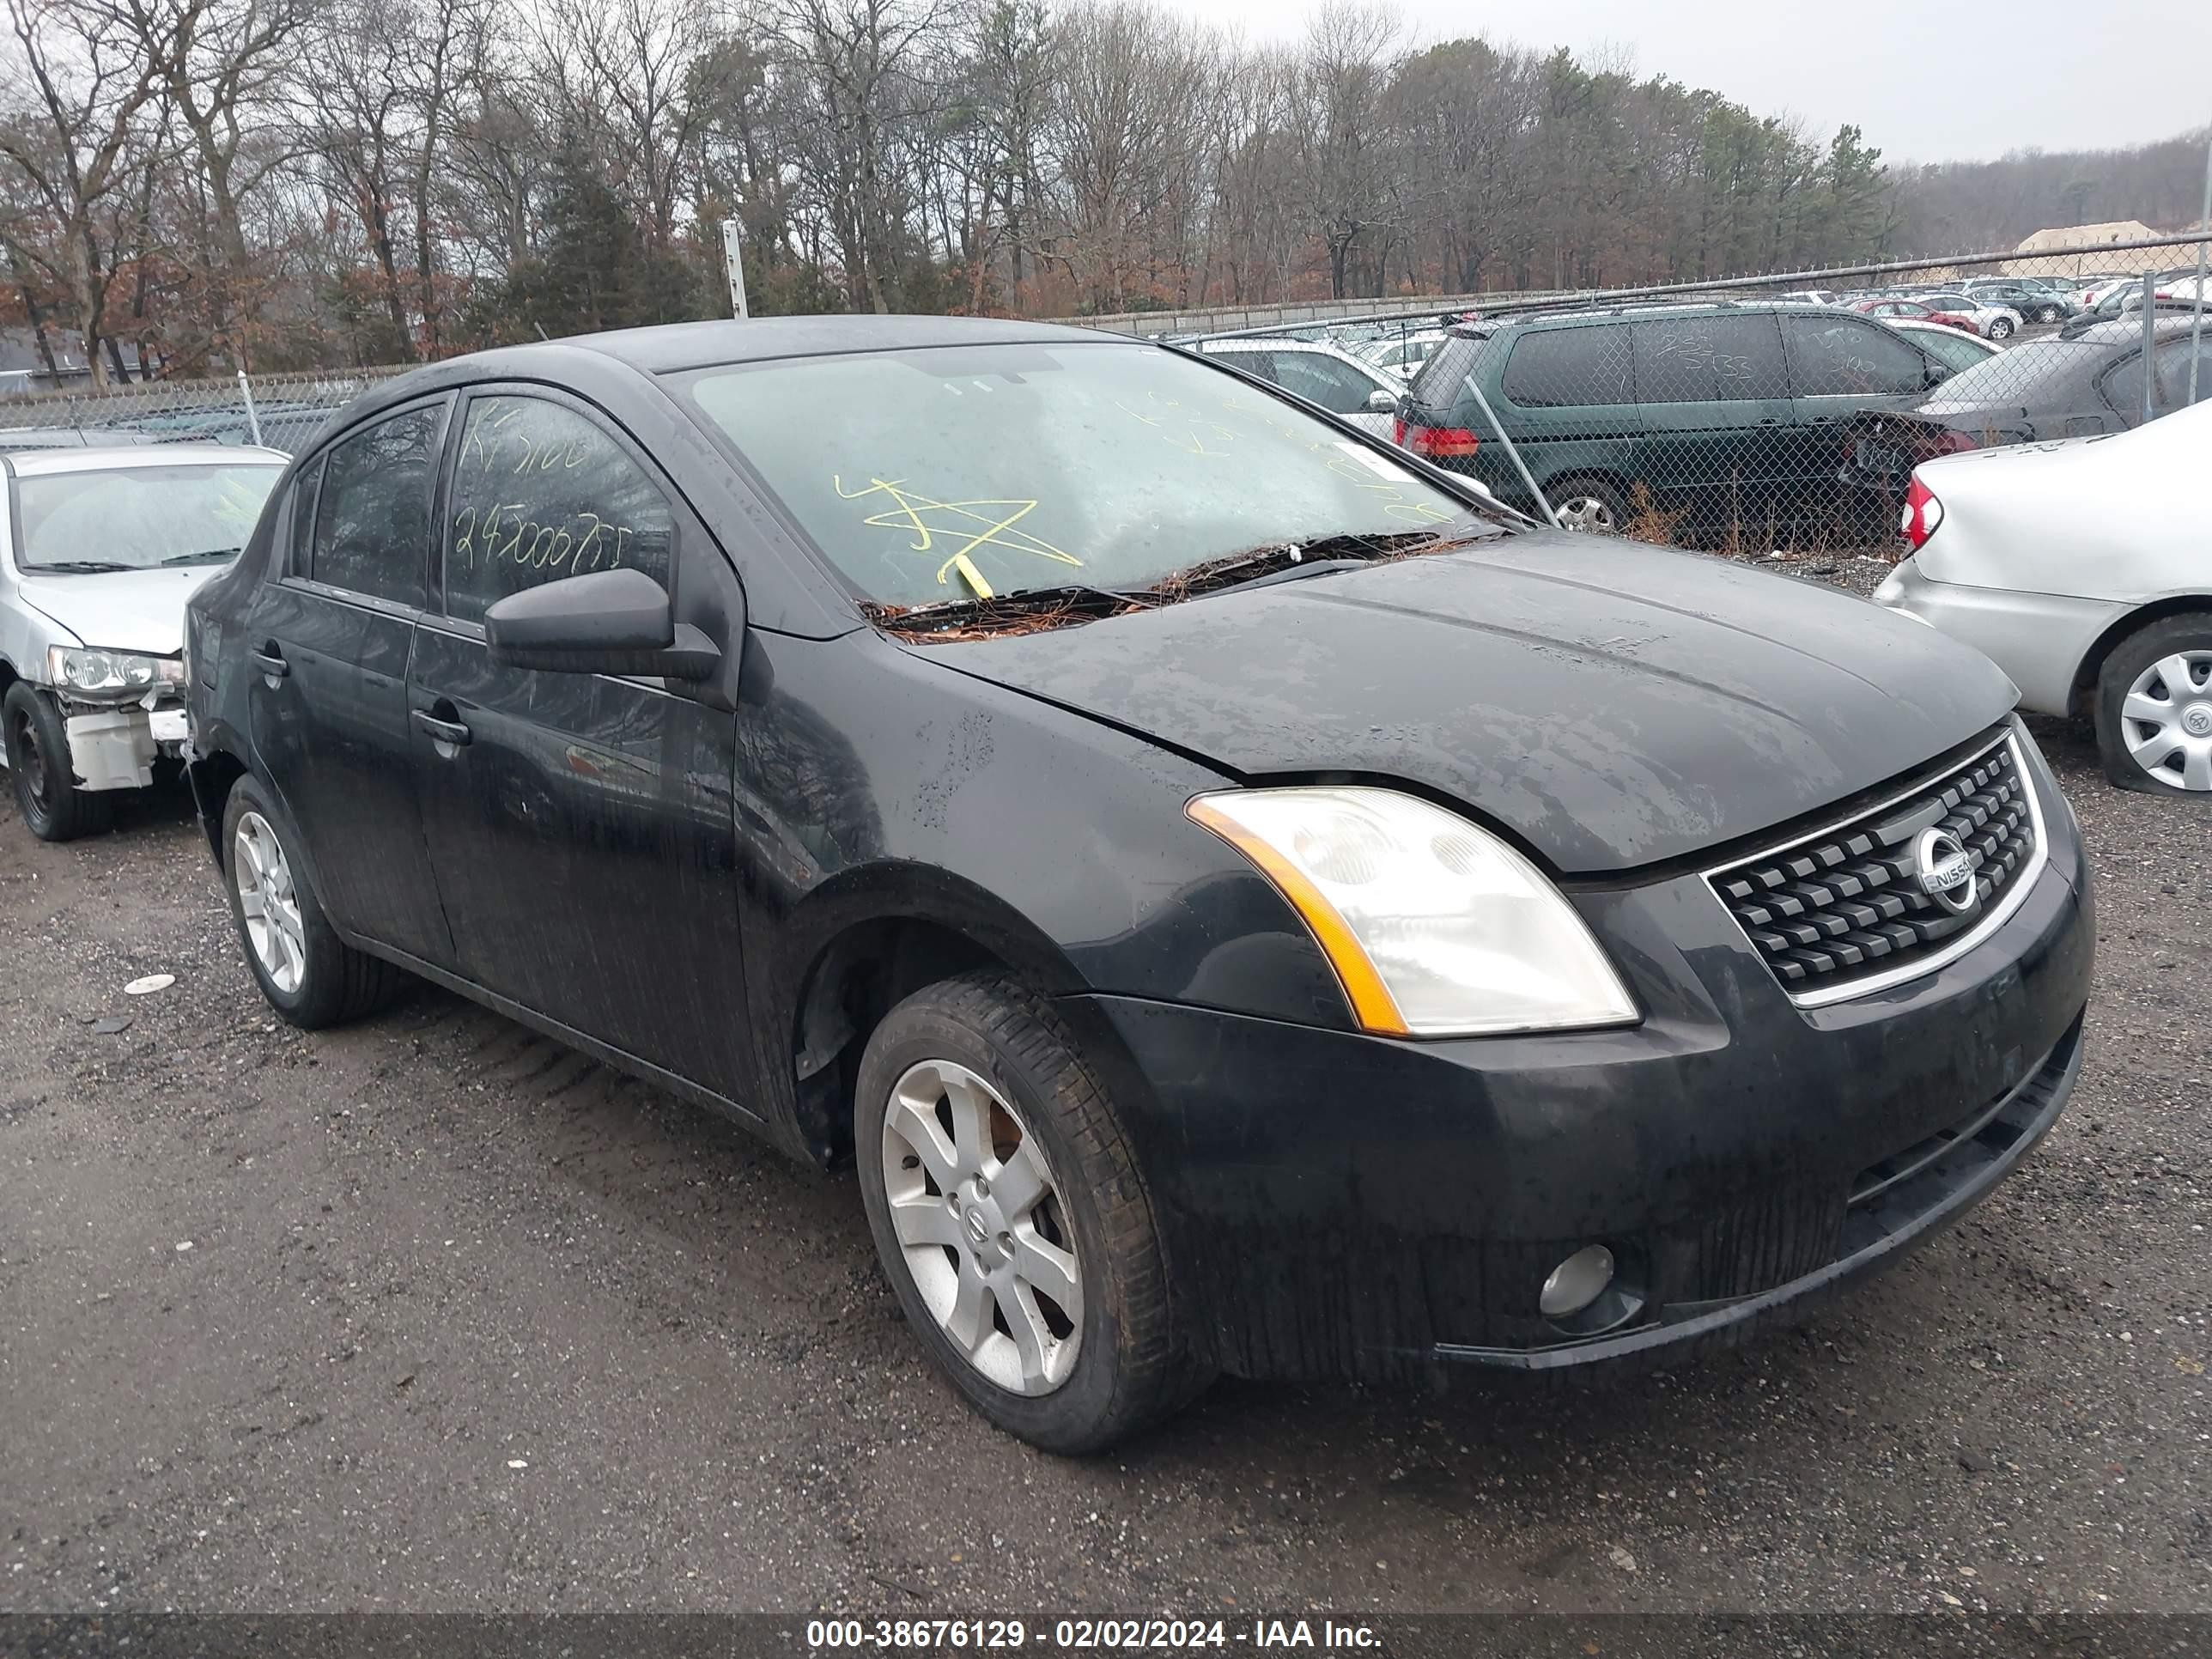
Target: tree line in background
195,185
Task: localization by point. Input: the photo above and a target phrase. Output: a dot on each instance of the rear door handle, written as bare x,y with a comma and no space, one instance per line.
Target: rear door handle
452,731
270,661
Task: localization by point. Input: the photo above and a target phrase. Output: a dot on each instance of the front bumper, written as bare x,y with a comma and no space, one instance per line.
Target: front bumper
2039,640
1341,1205
112,748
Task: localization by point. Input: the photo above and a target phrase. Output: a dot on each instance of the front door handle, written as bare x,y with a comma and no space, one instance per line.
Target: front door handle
270,661
444,731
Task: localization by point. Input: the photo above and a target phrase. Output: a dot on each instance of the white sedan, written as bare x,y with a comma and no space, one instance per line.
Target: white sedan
1991,322
2083,567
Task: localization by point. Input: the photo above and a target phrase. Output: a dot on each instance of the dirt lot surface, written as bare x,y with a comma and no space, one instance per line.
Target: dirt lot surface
434,1314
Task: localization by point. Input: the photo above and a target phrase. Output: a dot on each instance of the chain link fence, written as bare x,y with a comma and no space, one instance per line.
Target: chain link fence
1763,414
281,411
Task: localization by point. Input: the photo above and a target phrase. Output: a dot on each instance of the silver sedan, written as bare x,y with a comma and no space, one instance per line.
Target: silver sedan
2083,567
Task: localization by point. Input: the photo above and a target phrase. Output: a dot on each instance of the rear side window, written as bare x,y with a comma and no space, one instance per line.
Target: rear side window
1698,360
1442,383
541,492
1571,367
373,518
1831,357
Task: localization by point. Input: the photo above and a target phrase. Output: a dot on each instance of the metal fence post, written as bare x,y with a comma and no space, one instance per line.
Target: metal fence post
1512,451
2149,345
252,420
2196,315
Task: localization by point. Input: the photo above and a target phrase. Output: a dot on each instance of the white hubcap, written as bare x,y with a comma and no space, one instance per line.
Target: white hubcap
2166,720
980,1222
269,902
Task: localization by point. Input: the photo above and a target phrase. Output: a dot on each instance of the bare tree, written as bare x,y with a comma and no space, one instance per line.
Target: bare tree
74,98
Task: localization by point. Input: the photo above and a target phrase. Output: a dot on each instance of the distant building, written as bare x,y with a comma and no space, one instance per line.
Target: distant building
2064,239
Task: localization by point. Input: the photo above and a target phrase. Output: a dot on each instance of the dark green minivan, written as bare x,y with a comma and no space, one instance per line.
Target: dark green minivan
1687,420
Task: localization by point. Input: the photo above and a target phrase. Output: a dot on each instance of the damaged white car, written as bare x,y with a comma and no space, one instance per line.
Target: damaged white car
99,551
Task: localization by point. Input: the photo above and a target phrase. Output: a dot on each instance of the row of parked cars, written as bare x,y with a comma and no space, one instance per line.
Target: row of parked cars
1049,774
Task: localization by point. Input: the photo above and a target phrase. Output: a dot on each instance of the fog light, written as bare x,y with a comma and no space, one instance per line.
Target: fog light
1577,1282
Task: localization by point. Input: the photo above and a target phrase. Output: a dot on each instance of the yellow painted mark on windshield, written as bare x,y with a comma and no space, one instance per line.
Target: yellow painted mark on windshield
970,574
926,516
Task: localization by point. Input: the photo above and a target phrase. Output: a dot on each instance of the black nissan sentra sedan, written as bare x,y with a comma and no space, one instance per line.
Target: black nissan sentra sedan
1241,901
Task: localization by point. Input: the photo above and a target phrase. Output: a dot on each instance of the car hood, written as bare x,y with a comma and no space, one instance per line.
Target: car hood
140,610
1613,704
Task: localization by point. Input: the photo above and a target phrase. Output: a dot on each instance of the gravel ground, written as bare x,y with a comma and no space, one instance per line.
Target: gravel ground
432,1313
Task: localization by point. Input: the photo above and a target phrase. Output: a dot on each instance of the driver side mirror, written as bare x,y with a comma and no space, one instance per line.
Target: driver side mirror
605,622
1382,401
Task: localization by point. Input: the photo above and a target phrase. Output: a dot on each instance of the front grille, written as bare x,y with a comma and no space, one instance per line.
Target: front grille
1836,911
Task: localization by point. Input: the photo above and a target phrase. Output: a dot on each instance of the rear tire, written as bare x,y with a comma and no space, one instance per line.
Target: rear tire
2048,314
311,977
40,768
2154,708
1999,328
1594,505
984,1051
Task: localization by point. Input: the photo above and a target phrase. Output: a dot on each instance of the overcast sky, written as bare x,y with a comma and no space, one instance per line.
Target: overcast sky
1929,80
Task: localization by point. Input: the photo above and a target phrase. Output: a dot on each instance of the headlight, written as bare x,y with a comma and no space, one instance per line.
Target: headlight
104,672
1435,927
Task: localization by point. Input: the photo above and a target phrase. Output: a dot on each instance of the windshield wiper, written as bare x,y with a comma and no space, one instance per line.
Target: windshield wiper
82,567
1278,560
1071,601
211,555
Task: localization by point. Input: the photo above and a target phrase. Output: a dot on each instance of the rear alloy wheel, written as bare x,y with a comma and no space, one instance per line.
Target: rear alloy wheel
1010,1216
2048,314
1999,328
1587,504
2155,709
39,766
308,974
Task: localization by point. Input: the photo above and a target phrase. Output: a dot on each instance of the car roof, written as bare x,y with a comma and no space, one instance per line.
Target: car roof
670,347
35,463
2123,331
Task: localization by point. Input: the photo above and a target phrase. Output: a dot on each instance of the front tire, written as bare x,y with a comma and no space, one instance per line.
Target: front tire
2155,709
2048,314
40,768
311,977
1010,1216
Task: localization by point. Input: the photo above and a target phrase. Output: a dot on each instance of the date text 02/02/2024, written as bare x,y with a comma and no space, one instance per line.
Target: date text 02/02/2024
1087,1635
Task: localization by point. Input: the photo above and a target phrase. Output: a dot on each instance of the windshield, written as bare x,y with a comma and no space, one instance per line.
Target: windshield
138,518
2011,377
969,471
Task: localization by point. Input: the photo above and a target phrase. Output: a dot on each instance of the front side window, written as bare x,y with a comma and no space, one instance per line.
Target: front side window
922,474
541,492
1830,357
138,517
373,516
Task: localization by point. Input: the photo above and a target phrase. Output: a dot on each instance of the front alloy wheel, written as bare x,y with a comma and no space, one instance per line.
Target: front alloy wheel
1012,1217
975,1208
1999,328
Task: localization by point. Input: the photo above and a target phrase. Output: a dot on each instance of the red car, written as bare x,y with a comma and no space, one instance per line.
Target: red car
1913,311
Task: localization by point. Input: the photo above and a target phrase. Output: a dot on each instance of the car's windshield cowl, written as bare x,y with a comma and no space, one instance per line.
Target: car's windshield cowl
1032,611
